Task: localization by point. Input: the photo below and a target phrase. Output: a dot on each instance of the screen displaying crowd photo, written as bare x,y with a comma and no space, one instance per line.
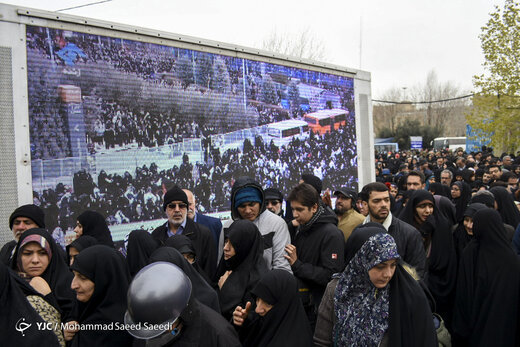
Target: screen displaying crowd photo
114,123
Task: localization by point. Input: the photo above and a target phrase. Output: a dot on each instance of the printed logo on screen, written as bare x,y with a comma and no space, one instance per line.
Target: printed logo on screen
334,256
21,326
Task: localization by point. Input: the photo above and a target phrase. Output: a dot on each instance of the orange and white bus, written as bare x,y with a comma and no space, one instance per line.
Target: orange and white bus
322,121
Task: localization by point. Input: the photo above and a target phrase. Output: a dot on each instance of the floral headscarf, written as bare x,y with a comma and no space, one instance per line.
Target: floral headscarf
361,309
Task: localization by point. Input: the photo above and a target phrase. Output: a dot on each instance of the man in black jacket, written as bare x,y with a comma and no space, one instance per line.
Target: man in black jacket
408,239
176,207
317,250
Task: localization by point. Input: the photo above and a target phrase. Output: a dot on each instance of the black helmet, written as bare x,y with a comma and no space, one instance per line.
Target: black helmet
156,297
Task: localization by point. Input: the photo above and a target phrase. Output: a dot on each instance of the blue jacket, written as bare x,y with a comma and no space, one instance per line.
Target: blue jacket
213,224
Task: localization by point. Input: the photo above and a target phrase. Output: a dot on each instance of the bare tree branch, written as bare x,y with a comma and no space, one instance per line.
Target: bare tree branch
303,44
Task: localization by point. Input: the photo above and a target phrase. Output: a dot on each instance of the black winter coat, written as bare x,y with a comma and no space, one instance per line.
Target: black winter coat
320,252
409,244
201,326
202,241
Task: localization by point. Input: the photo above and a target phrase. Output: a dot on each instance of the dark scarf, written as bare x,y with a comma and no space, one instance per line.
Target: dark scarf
446,208
57,274
506,206
410,322
200,288
461,237
140,247
105,267
16,311
183,244
286,324
81,243
439,189
247,266
95,225
463,200
314,218
442,261
488,286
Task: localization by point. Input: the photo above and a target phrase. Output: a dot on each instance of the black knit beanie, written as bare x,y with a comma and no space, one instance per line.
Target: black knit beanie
29,211
175,194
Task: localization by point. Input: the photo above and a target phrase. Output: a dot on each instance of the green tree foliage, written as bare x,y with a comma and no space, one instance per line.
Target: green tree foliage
496,105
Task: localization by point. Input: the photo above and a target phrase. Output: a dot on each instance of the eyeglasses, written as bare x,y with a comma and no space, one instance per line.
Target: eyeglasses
174,205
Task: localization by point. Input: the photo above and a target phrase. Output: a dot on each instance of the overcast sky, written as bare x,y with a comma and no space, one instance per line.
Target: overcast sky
402,40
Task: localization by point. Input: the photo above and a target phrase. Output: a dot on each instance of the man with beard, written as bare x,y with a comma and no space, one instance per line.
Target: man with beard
23,218
273,201
446,177
415,180
176,207
495,171
348,217
408,239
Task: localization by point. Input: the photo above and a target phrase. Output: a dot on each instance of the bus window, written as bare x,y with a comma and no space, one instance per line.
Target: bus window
339,118
324,122
449,142
287,129
274,132
290,132
310,120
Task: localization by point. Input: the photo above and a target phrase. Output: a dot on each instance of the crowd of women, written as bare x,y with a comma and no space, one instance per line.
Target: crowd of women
469,294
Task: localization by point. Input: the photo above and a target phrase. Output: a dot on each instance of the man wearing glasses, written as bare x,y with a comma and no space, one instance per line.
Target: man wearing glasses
176,207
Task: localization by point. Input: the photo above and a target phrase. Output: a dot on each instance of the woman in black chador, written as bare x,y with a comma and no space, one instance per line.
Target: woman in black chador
422,213
140,247
53,270
488,287
200,289
101,281
78,245
94,224
279,318
241,266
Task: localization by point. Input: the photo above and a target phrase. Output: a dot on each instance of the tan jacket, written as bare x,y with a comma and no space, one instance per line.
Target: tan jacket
349,221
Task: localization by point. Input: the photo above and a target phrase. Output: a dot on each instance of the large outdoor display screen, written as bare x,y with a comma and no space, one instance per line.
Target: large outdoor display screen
114,123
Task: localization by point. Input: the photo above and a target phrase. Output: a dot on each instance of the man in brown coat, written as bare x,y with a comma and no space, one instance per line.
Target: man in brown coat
348,217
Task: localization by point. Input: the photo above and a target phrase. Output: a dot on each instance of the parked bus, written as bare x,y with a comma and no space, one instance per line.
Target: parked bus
321,121
283,132
449,142
386,147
